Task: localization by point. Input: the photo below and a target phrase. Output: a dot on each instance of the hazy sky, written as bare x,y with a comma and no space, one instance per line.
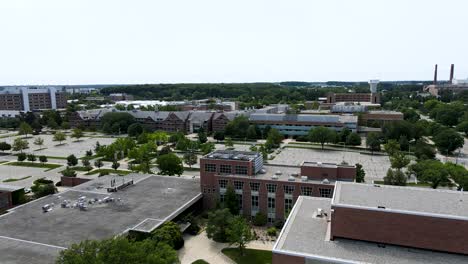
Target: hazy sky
155,41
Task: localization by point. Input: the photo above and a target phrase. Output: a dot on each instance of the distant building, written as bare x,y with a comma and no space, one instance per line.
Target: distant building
453,86
378,118
120,97
32,99
272,190
366,223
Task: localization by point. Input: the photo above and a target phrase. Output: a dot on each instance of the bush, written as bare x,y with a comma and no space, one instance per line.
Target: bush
272,231
102,173
21,156
260,219
279,224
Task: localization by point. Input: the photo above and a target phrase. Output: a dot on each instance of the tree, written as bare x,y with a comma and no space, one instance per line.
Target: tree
423,150
89,153
230,200
353,139
321,135
399,160
21,156
43,159
72,160
169,233
190,158
118,250
4,146
360,173
260,219
373,141
395,177
25,129
20,144
207,147
217,224
170,164
31,157
68,172
39,142
116,122
238,127
228,143
43,187
134,130
65,125
252,132
344,133
448,140
202,136
86,164
77,133
98,163
404,143
239,233
391,147
274,138
165,150
59,136
218,135
115,165
431,171
463,127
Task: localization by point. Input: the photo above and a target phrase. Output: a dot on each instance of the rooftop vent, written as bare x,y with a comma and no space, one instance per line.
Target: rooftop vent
325,181
274,177
291,178
319,163
304,178
320,212
381,207
278,173
295,174
262,171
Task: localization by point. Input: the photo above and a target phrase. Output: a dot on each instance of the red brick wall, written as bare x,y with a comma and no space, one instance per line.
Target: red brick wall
5,201
432,233
283,259
72,181
332,174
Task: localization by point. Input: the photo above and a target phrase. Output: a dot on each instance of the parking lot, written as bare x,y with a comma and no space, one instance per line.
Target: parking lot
19,172
375,166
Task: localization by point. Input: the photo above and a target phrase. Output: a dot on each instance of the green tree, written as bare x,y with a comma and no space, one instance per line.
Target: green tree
260,219
169,233
207,147
431,171
31,157
344,133
218,135
43,159
134,130
68,172
98,163
115,165
72,160
230,200
190,158
42,187
39,142
360,173
116,122
252,132
395,177
217,224
170,164
274,138
25,129
463,127
353,139
321,135
21,156
59,136
391,147
202,136
86,164
228,142
422,150
239,233
118,250
399,160
373,141
4,146
448,140
77,133
20,144
237,128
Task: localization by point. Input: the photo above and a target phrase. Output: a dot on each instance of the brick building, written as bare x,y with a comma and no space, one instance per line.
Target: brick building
378,118
27,99
366,223
9,196
272,190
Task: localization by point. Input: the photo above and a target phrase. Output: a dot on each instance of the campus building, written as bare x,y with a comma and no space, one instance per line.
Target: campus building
301,124
272,190
10,196
29,99
366,223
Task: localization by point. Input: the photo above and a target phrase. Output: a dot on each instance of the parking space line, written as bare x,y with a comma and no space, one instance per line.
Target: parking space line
32,242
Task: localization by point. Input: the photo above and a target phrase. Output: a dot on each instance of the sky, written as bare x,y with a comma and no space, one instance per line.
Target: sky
174,41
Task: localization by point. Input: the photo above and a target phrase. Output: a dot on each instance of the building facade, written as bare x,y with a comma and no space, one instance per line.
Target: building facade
272,190
27,99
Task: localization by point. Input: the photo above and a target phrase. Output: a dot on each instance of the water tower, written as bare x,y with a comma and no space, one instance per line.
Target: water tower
375,97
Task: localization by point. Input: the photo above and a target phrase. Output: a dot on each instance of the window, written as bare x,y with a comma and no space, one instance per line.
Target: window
288,189
254,202
210,167
307,191
325,192
254,186
223,184
221,198
224,168
242,170
288,205
271,204
238,185
271,188
239,200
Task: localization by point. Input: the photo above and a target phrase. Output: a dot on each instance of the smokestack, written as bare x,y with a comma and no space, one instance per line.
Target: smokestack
435,75
452,69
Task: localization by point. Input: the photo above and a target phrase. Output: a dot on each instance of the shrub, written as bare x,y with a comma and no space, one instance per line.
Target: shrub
102,173
279,224
260,219
272,231
21,156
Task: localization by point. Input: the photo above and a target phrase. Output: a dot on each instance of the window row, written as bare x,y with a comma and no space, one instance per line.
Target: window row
226,169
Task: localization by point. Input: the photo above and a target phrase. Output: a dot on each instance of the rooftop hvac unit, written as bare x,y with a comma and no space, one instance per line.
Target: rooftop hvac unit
325,181
319,163
274,177
304,178
295,174
291,178
320,212
278,173
262,171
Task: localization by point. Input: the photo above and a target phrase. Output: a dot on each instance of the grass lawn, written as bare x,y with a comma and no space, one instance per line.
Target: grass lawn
200,261
13,179
252,256
48,166
78,168
110,171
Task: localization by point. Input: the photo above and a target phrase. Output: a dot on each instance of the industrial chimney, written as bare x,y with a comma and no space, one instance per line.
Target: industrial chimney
435,75
452,68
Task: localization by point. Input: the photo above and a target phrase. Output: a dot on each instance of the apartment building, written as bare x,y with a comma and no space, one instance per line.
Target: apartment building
272,190
366,223
29,99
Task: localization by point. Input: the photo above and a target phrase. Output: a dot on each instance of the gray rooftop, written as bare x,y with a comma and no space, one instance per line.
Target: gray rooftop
304,118
233,155
412,200
9,188
306,235
151,201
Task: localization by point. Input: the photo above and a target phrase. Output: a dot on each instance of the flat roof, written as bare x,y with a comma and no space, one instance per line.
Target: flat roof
306,235
233,155
438,203
9,188
151,201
